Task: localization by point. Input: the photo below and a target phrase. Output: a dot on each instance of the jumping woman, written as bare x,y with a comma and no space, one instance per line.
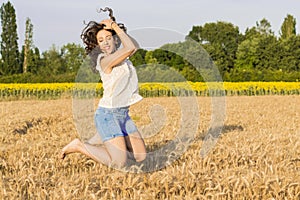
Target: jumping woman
118,133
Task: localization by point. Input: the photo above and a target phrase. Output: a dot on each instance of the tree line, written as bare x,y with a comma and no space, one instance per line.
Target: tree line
256,55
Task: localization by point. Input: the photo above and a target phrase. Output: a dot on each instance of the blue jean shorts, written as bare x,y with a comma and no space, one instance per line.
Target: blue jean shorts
113,122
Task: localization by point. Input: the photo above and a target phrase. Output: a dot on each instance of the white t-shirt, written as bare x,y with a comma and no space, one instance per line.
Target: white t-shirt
120,87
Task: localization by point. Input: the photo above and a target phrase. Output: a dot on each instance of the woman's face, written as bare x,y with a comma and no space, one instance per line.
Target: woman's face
106,41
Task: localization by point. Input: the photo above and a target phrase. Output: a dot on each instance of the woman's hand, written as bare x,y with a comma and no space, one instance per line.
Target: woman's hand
107,23
115,58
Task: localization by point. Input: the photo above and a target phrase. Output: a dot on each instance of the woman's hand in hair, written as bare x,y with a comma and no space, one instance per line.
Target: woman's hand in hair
107,23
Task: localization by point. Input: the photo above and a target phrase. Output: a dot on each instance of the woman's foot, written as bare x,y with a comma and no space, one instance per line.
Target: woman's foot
73,147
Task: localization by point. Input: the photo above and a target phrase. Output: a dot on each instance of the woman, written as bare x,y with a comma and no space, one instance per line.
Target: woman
116,129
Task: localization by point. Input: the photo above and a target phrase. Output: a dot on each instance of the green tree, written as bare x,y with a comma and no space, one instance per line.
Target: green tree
73,56
220,40
247,54
168,58
194,34
251,33
197,63
264,27
288,27
9,41
36,60
52,63
258,51
158,73
290,55
149,58
191,74
138,59
267,53
28,47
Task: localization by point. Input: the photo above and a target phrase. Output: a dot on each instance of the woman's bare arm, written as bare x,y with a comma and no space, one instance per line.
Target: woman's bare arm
137,46
129,47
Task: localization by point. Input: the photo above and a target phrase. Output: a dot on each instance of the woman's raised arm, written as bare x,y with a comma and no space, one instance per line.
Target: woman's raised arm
115,58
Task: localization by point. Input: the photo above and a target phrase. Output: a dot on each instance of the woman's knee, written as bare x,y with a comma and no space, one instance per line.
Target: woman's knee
139,157
119,161
117,151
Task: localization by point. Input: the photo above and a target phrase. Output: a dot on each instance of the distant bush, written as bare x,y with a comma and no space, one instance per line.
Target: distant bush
33,78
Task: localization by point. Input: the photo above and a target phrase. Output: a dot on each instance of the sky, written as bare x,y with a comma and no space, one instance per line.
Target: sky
151,22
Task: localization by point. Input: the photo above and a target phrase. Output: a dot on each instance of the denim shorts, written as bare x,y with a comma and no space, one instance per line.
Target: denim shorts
113,122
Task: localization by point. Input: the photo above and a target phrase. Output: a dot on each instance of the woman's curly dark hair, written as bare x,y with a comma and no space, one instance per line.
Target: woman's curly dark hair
89,38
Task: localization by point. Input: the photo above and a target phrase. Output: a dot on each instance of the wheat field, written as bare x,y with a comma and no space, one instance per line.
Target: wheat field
257,156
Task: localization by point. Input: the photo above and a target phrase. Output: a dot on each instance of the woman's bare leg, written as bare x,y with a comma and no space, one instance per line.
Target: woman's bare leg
112,153
136,145
95,140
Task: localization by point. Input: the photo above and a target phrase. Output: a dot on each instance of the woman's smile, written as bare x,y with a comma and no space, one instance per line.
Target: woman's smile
105,41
